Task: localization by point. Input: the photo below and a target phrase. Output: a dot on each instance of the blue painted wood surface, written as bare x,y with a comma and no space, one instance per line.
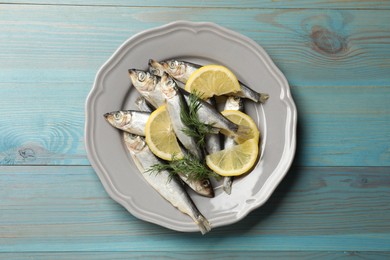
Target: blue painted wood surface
316,208
334,201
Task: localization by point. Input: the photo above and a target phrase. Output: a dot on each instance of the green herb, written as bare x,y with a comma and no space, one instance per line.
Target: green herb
189,166
159,167
192,168
194,127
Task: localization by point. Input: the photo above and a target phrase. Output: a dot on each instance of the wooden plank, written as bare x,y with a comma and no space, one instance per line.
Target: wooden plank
54,52
340,4
50,131
330,129
300,255
343,126
312,47
315,208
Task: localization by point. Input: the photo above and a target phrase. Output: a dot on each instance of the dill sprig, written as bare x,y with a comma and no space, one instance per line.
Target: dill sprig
194,127
189,167
159,167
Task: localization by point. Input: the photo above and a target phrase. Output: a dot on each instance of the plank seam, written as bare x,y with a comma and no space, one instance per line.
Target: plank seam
197,7
191,252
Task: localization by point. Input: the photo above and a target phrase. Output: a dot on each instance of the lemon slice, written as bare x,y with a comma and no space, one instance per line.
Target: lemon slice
234,161
212,80
160,137
241,118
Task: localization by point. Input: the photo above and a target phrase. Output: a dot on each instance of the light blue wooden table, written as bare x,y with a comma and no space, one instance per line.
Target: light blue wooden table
335,200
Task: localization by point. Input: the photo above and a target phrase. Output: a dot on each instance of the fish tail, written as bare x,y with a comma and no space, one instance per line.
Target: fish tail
227,184
263,97
203,224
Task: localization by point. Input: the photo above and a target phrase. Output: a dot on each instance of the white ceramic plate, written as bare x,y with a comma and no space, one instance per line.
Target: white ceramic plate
202,43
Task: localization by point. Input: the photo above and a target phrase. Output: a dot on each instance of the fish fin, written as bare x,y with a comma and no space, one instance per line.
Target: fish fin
227,185
203,224
227,189
263,97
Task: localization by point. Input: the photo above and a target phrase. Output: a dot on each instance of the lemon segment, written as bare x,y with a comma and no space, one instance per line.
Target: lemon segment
241,118
212,80
160,137
234,161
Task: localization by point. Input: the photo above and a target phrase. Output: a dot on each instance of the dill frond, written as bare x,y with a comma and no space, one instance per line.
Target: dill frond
192,169
159,167
194,127
189,167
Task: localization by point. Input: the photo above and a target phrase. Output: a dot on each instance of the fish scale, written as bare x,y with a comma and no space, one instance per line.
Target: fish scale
169,188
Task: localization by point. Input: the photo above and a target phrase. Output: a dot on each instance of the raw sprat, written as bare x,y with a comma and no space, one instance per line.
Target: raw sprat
232,103
182,70
161,126
178,126
170,188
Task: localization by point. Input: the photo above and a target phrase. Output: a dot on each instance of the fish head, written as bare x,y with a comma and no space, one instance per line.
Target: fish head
134,143
118,118
156,68
174,68
140,101
142,80
143,104
168,86
205,188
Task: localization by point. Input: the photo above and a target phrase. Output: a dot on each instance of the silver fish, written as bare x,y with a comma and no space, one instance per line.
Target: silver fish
170,189
128,120
179,70
134,122
232,103
227,184
143,105
175,103
247,92
210,115
148,86
157,69
182,70
213,141
202,187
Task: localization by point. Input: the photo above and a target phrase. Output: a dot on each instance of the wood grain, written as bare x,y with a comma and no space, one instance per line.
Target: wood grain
317,4
337,62
301,255
336,57
312,47
343,126
66,209
330,128
44,123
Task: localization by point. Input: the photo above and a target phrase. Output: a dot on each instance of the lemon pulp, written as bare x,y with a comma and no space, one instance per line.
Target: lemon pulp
160,137
212,80
234,161
241,118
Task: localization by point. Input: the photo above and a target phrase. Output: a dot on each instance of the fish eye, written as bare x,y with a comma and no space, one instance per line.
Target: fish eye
205,183
154,71
172,64
117,115
141,76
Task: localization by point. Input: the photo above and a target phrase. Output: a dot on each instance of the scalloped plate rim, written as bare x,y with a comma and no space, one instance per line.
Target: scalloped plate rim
126,201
